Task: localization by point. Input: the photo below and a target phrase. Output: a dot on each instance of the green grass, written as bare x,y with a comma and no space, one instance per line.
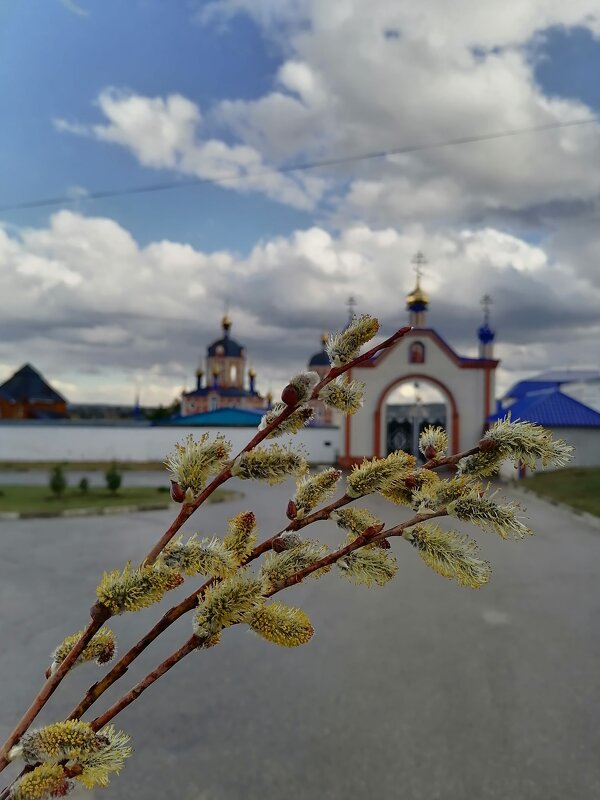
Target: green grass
578,487
39,500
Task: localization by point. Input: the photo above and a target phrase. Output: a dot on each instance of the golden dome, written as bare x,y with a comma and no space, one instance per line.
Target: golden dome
215,370
252,372
324,338
417,296
199,373
226,322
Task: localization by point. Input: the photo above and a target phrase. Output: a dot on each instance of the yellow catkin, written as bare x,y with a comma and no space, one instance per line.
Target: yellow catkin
59,741
134,589
450,554
45,781
312,490
101,648
368,566
242,535
282,625
98,766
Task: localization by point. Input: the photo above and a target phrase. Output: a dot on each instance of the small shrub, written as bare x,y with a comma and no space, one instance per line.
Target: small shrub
113,478
57,482
84,486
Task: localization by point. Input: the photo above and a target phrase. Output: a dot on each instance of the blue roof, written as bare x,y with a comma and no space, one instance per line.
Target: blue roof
530,386
28,384
225,417
319,360
228,347
230,391
551,408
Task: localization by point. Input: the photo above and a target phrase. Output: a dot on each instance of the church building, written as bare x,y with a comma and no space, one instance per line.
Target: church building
225,385
422,358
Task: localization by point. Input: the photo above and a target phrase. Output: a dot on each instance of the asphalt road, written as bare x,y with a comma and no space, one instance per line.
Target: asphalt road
420,690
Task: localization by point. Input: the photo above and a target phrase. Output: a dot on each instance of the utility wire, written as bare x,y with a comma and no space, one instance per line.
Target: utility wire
285,170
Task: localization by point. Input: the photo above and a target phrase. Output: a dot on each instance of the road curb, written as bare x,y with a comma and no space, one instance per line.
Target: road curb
86,512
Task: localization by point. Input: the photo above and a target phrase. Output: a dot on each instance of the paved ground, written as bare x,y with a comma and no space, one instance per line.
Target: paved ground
421,690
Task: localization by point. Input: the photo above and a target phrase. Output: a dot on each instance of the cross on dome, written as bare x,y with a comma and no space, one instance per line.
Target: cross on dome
351,303
419,261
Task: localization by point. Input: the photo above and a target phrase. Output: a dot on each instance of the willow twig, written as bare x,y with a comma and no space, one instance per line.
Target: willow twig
195,641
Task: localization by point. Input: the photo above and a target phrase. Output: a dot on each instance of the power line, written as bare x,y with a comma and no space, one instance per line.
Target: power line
285,170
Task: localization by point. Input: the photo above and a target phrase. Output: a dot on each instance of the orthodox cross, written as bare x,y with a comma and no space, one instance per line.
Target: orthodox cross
486,302
351,303
419,261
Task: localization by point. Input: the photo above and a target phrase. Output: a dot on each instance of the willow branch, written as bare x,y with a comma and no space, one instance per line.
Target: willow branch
192,601
188,604
185,512
99,616
192,644
195,641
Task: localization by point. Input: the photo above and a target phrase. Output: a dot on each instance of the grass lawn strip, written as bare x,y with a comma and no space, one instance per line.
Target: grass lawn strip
37,500
81,466
578,487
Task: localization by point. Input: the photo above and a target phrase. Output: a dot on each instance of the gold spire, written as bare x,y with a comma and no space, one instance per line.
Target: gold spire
215,371
226,322
199,372
252,372
324,338
418,295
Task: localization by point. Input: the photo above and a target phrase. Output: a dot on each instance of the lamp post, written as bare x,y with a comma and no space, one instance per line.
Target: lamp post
416,416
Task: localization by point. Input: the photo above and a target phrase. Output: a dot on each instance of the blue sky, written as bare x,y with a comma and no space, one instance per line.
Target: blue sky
64,59
109,95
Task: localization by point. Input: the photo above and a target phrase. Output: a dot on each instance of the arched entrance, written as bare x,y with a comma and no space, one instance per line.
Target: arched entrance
397,426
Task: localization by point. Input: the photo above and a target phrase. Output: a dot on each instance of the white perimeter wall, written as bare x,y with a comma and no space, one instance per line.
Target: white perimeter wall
38,442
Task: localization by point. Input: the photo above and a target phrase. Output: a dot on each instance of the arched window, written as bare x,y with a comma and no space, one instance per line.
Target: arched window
416,353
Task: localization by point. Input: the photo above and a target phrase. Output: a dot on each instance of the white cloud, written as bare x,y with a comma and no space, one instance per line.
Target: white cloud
84,302
165,133
349,87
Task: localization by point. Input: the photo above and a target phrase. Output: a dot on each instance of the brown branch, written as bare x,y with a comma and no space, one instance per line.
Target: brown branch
102,613
355,544
434,463
186,605
99,616
195,641
192,644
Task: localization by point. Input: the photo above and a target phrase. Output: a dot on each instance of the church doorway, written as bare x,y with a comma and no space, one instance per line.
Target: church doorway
408,407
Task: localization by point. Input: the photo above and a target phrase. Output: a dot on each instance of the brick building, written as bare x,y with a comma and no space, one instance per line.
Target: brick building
27,395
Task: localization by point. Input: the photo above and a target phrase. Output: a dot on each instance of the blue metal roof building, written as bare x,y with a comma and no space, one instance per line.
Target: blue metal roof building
551,408
220,417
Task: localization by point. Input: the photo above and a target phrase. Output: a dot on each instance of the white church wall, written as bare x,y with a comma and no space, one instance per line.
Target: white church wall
23,441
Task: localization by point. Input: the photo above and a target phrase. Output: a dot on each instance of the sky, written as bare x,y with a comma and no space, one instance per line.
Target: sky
123,293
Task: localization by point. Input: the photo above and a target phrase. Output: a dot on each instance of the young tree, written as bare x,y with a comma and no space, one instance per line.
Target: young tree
113,478
57,482
233,594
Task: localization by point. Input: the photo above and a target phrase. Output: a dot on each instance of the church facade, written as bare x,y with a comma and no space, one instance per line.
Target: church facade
422,357
225,385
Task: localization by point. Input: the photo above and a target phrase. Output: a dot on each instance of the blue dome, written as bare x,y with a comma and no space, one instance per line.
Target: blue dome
485,334
225,347
319,360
